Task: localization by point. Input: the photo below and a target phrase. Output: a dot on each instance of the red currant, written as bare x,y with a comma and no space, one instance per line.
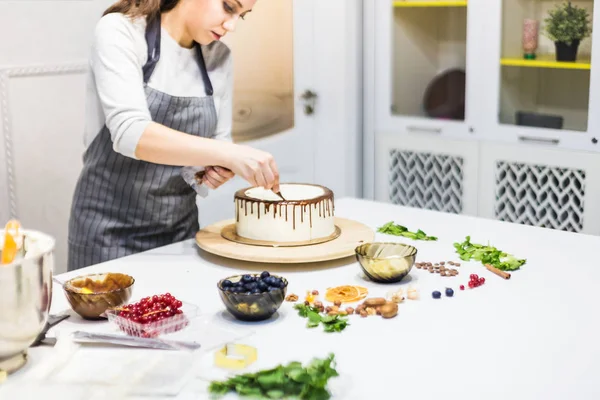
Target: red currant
482,280
471,285
462,287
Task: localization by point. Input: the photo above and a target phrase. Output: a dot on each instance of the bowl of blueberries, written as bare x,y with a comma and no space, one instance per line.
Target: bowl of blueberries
253,297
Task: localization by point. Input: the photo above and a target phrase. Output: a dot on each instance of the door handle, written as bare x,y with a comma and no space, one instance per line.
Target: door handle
309,98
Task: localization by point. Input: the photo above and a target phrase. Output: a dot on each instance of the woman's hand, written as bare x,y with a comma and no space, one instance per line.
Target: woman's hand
216,176
255,166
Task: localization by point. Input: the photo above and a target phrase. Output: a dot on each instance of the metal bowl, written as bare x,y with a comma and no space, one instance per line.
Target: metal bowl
106,290
386,262
25,294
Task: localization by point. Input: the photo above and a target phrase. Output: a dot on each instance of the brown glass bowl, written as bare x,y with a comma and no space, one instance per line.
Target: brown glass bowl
386,262
248,306
91,295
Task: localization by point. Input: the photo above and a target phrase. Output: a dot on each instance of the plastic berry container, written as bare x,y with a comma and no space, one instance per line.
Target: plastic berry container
154,329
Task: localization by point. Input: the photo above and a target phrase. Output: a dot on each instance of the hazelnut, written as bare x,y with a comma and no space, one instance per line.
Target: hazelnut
374,301
327,309
315,292
389,310
363,313
335,308
350,310
332,312
306,303
318,304
337,303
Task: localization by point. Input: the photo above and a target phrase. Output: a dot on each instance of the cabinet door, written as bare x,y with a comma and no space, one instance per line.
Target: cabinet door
540,95
273,103
438,175
421,53
551,188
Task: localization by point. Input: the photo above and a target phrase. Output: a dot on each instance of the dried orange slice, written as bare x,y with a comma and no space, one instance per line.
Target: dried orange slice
345,294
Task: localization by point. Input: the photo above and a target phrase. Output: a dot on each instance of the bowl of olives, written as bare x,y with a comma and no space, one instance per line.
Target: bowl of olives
253,297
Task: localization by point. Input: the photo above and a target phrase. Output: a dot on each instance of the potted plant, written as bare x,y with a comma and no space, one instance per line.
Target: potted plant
566,26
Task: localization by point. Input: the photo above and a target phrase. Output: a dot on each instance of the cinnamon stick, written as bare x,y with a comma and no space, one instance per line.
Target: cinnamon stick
498,272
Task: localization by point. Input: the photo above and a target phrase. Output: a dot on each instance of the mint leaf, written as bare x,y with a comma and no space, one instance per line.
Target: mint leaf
487,254
390,228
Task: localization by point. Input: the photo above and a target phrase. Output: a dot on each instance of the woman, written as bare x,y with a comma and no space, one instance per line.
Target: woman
159,97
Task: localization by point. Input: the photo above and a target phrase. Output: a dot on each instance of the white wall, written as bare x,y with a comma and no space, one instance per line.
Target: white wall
43,50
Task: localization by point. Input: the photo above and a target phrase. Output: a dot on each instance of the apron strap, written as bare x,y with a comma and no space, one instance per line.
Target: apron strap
153,31
153,42
207,84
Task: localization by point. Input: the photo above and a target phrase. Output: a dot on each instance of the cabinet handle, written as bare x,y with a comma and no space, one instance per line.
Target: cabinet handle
422,129
538,140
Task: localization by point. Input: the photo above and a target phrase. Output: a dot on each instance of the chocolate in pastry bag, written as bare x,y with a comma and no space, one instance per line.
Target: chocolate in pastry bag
193,177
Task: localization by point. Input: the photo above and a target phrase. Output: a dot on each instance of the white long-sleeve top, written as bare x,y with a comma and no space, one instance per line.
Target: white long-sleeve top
115,88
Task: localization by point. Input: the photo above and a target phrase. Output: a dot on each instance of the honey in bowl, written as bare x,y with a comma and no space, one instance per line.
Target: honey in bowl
104,283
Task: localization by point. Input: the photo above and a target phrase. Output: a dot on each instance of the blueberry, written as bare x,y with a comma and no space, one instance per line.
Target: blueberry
268,280
281,284
273,288
256,291
250,286
239,284
449,292
227,283
247,278
264,275
237,289
436,294
262,285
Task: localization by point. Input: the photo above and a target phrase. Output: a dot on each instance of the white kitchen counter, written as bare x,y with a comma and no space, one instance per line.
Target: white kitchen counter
535,336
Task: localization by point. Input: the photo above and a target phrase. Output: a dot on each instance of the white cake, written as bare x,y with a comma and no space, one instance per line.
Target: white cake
306,214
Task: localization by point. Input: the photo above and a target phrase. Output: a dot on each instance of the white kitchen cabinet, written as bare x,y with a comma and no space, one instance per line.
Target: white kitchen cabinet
438,175
526,150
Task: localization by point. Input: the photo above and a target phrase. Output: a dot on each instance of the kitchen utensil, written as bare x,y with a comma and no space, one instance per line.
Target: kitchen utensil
133,341
53,320
25,293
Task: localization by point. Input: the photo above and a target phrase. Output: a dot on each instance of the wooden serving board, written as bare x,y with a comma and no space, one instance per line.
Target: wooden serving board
352,234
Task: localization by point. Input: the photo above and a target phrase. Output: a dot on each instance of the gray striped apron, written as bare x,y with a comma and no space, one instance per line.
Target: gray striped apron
124,206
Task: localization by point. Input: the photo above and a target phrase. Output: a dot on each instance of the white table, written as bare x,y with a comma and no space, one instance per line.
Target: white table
535,336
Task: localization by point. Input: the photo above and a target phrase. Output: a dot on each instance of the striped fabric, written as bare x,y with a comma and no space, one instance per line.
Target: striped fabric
124,206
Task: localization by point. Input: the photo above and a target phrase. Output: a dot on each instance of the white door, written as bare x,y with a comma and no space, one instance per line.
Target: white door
273,54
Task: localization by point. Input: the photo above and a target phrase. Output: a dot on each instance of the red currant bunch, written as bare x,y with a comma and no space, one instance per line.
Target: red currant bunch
475,281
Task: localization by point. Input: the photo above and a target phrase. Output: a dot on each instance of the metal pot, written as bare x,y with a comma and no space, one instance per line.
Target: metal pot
25,294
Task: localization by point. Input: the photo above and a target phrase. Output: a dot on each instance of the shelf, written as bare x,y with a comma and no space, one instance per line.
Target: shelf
417,3
547,61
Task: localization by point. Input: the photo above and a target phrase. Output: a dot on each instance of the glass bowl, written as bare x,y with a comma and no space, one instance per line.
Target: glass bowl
248,304
386,262
91,295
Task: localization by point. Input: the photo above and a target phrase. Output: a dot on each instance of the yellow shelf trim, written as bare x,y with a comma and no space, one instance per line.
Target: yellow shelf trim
417,3
546,61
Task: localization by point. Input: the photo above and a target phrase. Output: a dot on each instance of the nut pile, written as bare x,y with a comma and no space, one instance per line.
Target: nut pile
439,267
377,306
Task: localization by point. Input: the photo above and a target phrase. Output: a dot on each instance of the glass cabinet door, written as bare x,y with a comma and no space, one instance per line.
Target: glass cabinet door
429,46
544,76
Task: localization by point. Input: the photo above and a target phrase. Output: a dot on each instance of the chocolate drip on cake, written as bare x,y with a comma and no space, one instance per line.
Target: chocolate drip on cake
324,203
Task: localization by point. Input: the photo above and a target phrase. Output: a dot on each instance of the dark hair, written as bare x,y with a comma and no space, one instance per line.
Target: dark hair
141,8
